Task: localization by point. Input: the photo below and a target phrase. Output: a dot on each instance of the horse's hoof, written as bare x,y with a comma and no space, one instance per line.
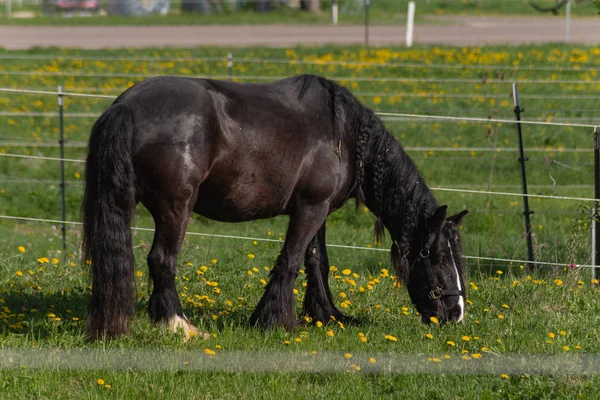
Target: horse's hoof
189,331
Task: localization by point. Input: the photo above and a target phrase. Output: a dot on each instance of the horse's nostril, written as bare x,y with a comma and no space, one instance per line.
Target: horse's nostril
456,317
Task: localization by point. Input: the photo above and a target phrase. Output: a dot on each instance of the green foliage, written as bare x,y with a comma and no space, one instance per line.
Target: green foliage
350,12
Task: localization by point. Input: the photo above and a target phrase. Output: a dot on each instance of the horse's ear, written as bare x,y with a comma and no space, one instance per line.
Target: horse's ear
437,219
457,219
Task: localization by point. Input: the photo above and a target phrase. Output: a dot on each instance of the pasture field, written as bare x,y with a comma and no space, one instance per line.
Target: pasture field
552,312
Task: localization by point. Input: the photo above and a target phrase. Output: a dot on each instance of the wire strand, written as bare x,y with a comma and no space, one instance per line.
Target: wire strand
217,235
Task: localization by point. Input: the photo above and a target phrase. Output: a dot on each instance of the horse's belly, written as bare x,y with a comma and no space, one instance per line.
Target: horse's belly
238,204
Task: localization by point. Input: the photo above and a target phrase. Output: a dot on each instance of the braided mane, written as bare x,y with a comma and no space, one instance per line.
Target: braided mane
386,179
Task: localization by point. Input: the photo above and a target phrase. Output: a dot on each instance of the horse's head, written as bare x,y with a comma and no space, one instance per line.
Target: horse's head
431,267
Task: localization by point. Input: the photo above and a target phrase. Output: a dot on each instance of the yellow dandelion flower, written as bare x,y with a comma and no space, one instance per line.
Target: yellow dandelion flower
19,273
505,305
100,381
504,376
450,343
330,333
566,348
297,340
563,333
476,355
319,324
391,338
372,360
434,320
466,338
209,352
499,272
500,316
551,335
55,261
346,272
429,336
107,386
21,249
251,256
139,273
348,356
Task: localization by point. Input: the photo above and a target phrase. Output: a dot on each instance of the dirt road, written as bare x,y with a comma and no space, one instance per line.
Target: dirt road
460,31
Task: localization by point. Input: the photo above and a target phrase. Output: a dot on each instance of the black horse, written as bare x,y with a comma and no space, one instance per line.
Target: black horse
235,152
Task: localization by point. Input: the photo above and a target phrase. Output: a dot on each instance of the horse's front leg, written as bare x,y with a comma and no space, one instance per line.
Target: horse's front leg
277,305
318,302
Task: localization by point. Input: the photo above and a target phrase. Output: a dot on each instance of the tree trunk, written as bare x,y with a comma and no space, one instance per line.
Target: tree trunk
313,6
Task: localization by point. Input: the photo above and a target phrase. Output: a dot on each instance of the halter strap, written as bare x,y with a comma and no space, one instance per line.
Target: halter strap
436,292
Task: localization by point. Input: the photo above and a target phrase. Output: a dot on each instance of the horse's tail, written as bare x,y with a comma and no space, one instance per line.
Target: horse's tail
108,206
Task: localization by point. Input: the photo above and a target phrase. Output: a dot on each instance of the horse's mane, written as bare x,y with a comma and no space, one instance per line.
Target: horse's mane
386,179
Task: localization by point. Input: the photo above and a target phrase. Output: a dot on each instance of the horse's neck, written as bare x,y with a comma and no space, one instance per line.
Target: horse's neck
396,192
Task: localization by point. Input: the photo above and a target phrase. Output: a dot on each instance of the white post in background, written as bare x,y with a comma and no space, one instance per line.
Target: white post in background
410,24
568,22
334,11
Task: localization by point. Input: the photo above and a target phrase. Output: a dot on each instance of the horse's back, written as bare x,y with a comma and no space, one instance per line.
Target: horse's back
249,149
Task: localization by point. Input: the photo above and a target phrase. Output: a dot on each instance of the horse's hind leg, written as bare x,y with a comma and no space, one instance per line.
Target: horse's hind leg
277,305
171,220
318,302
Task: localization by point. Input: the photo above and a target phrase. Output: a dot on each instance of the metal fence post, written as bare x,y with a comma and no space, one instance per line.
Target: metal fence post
367,7
595,225
62,167
522,160
568,22
230,65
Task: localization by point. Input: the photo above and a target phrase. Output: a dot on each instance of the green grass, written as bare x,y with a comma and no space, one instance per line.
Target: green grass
351,12
34,293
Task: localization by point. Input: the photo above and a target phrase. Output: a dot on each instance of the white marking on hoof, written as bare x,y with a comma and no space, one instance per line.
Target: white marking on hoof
176,323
